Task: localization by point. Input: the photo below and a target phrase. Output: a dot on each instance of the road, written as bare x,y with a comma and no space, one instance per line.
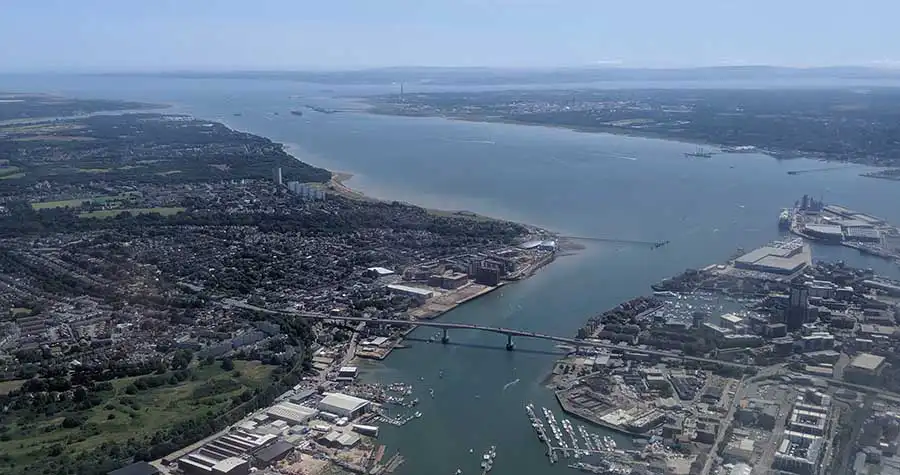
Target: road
511,332
713,459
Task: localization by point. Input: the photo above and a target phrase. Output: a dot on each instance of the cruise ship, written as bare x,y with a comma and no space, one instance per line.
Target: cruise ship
784,219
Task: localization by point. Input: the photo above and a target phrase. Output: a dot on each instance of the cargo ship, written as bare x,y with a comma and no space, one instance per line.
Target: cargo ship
784,219
699,153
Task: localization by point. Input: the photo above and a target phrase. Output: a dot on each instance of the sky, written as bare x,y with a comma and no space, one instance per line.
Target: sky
160,35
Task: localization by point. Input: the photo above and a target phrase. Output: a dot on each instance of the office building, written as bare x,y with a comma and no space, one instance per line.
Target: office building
798,307
276,176
865,368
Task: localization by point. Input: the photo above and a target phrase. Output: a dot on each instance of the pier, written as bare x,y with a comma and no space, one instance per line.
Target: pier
637,242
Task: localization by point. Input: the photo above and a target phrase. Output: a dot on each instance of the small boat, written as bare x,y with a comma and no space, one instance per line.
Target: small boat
418,414
458,472
471,451
295,112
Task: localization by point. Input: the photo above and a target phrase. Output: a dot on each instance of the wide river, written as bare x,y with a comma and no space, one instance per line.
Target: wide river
576,183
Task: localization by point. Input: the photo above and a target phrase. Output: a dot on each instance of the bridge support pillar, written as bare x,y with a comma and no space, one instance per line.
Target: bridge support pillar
445,339
509,343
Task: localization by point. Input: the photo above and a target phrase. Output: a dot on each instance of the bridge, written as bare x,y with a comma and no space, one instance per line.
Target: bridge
509,332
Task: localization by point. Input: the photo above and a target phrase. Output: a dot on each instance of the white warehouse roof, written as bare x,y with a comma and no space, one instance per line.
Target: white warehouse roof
343,401
411,290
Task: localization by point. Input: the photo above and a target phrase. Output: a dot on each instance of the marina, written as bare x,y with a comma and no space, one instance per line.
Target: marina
601,447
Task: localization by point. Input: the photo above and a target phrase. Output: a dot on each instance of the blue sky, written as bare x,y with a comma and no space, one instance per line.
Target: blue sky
111,35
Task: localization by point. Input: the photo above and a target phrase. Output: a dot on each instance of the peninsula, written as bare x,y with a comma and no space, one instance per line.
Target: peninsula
763,361
142,261
836,125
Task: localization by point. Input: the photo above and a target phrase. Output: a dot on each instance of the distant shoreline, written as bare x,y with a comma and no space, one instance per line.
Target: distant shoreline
374,108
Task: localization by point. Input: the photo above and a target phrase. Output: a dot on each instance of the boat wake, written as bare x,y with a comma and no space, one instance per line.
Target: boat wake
511,383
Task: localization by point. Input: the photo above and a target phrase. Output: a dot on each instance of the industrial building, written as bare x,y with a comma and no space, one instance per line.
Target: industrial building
343,405
271,454
784,258
338,439
291,413
825,232
137,468
224,455
414,292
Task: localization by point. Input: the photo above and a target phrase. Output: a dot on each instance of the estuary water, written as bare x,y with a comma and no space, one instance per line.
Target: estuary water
576,183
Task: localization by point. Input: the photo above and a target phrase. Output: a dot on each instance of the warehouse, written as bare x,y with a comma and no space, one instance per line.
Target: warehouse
291,413
408,291
343,405
777,258
273,453
826,232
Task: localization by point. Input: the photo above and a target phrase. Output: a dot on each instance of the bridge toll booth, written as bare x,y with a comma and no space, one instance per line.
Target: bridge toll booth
444,338
509,343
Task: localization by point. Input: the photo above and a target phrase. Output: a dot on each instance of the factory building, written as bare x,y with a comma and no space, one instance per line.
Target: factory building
224,455
291,413
343,405
268,455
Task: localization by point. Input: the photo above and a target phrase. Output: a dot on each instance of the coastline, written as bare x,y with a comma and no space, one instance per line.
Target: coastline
776,154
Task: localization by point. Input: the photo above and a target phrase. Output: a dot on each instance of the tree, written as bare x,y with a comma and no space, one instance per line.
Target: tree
71,422
182,358
227,364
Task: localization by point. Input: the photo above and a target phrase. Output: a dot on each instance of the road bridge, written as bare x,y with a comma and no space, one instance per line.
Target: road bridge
509,332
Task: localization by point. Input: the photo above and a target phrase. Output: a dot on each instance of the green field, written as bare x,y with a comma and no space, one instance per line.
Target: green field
108,213
62,204
7,386
121,416
7,171
78,202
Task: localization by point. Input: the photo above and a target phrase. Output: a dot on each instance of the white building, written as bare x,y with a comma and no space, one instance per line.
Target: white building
343,405
408,291
291,413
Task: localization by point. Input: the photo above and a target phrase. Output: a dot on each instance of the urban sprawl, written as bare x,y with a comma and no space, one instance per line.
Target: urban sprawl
179,297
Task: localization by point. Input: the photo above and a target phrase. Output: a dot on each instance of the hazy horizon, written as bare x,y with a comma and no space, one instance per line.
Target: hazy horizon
284,35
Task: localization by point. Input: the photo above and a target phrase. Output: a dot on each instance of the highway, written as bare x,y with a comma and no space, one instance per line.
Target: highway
509,332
